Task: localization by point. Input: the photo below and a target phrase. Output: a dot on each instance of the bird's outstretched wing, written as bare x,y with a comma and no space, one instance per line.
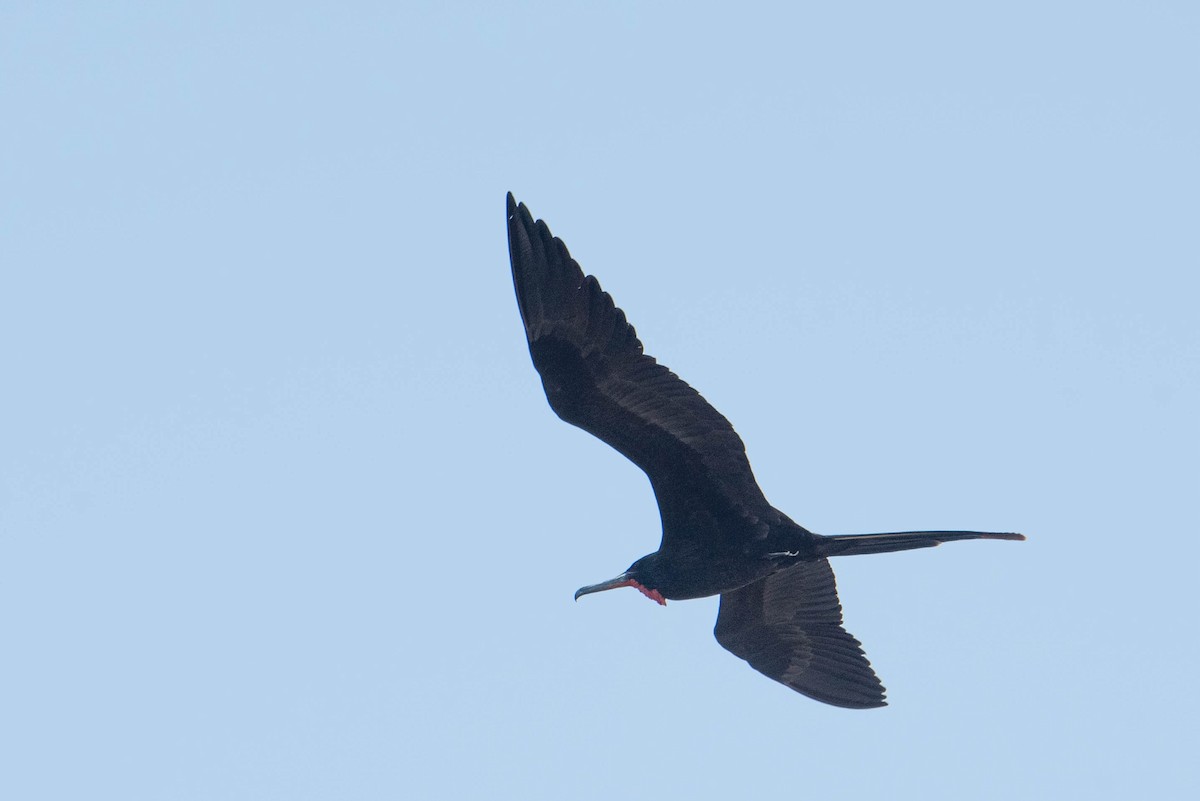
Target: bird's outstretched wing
789,626
597,377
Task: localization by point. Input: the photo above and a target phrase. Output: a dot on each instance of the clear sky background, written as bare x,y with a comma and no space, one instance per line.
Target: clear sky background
284,513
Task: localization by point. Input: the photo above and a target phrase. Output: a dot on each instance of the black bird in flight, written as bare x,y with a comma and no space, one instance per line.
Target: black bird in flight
779,604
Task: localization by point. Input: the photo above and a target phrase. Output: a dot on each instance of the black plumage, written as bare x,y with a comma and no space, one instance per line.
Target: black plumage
720,536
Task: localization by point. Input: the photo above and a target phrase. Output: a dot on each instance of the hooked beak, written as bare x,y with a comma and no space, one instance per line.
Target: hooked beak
623,580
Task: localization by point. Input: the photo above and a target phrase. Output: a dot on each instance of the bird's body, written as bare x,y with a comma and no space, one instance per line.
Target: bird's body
720,536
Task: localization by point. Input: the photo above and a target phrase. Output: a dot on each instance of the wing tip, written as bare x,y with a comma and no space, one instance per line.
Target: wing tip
857,695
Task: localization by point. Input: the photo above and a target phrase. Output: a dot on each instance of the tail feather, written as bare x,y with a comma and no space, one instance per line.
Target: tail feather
851,544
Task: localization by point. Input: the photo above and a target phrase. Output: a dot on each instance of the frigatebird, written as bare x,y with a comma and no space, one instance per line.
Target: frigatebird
779,606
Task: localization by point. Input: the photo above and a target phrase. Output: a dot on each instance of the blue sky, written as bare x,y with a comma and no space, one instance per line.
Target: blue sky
283,510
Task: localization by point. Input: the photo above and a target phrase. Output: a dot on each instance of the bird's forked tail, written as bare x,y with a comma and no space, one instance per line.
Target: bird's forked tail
850,544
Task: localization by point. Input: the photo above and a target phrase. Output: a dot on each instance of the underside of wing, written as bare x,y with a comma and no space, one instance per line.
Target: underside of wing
789,626
596,377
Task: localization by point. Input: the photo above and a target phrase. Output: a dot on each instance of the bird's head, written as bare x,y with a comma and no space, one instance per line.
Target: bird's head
642,575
